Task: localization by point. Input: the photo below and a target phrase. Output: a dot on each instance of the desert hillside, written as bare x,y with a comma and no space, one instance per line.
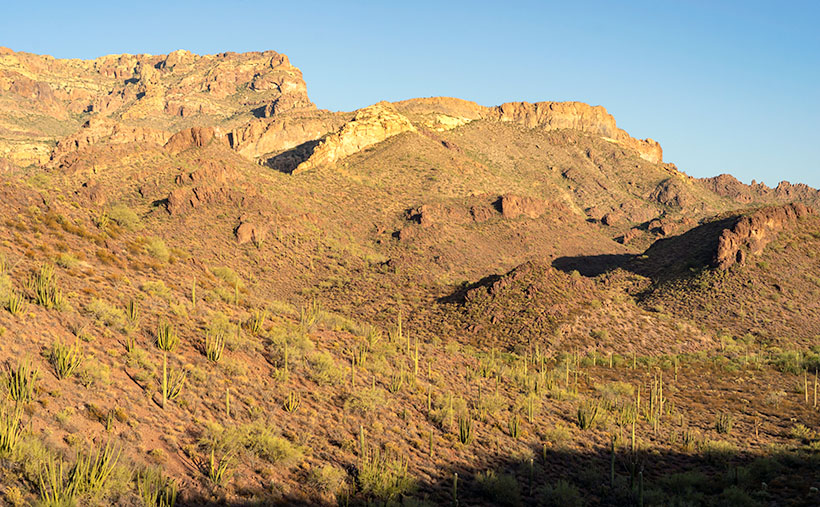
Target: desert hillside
214,293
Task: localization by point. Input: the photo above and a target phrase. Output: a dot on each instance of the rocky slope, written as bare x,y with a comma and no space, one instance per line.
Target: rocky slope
441,288
43,98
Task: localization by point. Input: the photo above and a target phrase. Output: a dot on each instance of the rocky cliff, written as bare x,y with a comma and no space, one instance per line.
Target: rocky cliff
447,112
371,125
577,116
751,233
43,99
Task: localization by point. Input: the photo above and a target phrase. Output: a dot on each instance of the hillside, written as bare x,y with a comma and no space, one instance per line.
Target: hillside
252,301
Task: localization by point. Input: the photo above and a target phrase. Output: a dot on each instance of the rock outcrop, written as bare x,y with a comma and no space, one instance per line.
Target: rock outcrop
97,130
264,138
751,233
671,192
41,97
575,115
371,125
514,206
727,185
194,137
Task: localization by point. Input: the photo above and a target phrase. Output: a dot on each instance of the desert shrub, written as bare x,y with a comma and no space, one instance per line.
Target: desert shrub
66,260
363,401
124,217
561,493
736,497
559,435
273,448
500,489
384,477
801,432
107,313
324,370
157,288
6,288
228,275
257,438
156,248
328,478
718,450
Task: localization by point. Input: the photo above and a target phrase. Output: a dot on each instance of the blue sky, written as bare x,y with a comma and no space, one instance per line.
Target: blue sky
723,86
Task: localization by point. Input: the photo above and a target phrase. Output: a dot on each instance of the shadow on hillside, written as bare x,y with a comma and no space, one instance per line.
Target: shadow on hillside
592,265
288,160
458,296
718,475
666,259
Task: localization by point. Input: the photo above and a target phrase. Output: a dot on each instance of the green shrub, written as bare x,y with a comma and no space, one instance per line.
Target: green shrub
272,448
228,275
328,478
66,260
124,217
107,313
324,370
384,477
157,288
156,248
561,493
500,489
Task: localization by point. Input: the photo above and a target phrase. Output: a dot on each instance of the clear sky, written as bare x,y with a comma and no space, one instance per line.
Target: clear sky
723,86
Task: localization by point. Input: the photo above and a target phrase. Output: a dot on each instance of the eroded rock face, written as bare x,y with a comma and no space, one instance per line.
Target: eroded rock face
578,116
514,206
135,89
751,233
371,125
671,192
194,137
261,138
249,232
97,130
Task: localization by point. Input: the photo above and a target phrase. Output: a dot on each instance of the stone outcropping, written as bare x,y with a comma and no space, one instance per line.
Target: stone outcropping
578,116
41,97
727,185
97,130
751,233
371,125
514,206
194,137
